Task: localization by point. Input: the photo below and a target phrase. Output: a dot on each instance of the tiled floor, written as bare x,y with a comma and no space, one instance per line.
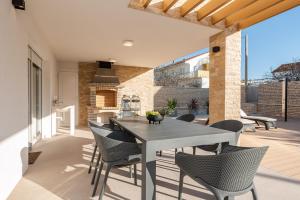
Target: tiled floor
61,170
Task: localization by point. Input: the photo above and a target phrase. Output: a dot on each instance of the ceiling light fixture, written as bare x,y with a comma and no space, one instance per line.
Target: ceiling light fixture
128,43
111,60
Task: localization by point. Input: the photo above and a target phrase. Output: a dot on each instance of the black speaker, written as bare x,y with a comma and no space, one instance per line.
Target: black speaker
216,49
19,4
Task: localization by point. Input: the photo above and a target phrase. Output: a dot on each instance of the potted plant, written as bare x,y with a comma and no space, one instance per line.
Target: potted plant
171,104
193,106
162,112
153,116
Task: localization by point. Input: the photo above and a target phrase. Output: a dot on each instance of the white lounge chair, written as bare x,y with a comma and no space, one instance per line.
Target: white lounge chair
267,121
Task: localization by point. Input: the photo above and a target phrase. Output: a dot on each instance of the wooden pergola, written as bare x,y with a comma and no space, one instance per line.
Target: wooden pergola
220,14
229,17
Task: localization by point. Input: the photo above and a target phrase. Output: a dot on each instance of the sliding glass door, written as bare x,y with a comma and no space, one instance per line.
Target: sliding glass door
35,97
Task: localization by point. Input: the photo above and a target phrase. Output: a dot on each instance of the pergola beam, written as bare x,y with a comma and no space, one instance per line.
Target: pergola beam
269,12
230,9
210,7
167,4
250,10
145,3
188,6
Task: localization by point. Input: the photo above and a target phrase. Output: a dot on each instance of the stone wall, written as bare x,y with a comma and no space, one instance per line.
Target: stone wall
271,99
294,99
133,81
182,95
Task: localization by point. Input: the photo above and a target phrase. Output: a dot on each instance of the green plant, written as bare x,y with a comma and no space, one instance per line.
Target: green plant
162,112
172,103
152,113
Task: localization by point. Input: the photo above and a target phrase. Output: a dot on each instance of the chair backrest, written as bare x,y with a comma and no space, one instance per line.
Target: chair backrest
229,125
112,145
186,117
242,113
235,171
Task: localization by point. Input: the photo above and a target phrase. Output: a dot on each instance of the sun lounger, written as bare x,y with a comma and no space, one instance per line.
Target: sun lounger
267,121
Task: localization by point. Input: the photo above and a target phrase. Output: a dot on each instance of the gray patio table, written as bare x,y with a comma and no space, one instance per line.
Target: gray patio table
171,133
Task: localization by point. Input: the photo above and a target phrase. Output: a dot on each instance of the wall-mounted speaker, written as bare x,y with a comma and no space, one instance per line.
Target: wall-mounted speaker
19,4
216,49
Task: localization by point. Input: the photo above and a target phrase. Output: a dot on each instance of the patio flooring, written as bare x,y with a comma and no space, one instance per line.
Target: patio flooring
61,170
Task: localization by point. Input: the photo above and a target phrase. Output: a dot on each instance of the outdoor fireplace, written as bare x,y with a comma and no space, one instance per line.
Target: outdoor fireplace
103,94
106,99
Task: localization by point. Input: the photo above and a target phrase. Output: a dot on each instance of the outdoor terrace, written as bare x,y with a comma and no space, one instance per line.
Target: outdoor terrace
61,170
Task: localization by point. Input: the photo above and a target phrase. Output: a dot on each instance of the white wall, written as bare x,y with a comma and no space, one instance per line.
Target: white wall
17,31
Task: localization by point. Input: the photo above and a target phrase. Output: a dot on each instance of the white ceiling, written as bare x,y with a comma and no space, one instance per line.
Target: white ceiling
90,30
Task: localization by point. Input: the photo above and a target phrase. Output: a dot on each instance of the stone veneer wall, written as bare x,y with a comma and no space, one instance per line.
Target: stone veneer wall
182,95
271,99
133,81
224,76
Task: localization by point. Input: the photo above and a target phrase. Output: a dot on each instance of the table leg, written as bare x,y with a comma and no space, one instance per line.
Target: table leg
148,172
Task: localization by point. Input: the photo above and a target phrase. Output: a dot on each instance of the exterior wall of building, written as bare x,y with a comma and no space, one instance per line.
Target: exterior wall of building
183,97
17,32
133,81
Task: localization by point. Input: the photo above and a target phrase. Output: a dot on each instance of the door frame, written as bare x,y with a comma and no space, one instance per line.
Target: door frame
32,141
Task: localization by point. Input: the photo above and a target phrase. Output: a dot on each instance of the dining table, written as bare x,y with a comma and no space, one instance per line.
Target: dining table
169,134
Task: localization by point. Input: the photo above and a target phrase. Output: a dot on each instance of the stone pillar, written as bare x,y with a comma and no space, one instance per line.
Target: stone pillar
224,76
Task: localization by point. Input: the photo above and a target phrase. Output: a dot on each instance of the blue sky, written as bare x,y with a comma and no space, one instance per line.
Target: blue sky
273,42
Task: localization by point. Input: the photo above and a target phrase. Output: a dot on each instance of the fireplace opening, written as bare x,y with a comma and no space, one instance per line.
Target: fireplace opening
106,98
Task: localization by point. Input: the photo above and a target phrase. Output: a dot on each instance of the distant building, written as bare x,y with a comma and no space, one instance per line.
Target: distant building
187,72
290,70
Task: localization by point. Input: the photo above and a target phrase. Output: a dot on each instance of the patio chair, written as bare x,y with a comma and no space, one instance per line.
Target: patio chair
267,121
117,151
228,125
186,118
226,175
99,125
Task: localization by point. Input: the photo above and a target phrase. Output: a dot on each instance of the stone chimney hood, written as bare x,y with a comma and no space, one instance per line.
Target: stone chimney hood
105,74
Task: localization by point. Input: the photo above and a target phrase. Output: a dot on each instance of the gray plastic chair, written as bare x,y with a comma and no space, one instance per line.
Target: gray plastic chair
227,174
98,125
117,150
228,125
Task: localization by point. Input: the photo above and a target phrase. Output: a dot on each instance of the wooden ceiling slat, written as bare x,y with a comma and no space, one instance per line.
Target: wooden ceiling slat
167,4
250,10
269,12
188,6
230,9
145,3
210,7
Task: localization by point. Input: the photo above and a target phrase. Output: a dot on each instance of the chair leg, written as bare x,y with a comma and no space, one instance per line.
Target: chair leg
97,179
254,194
194,150
135,174
267,125
182,150
181,176
102,190
96,168
160,153
92,160
175,150
130,171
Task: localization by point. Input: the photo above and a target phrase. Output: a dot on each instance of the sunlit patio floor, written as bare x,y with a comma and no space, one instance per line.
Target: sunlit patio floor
61,170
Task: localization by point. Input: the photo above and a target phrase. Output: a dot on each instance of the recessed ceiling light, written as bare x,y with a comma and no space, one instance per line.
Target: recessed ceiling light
112,60
128,43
